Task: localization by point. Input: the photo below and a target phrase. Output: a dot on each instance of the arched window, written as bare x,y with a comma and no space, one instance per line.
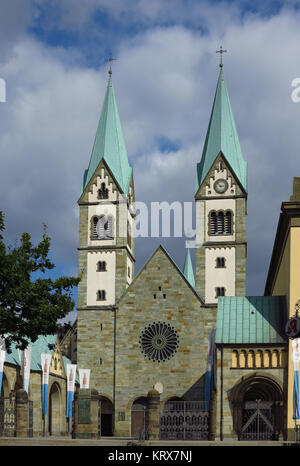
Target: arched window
102,227
101,295
101,266
103,192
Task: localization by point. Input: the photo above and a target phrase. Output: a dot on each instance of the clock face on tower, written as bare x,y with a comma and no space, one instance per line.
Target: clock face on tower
221,186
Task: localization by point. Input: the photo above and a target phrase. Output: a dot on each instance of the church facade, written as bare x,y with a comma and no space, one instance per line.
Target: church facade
196,338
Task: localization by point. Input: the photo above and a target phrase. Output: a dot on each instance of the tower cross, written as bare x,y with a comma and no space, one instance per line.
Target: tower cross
221,51
110,60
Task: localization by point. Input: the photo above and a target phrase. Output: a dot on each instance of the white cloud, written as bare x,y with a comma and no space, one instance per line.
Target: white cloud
165,81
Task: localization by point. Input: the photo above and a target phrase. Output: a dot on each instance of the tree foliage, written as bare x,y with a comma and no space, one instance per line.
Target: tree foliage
30,307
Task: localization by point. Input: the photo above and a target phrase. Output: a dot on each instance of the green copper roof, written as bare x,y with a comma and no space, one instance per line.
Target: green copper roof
222,136
251,319
188,271
38,347
109,143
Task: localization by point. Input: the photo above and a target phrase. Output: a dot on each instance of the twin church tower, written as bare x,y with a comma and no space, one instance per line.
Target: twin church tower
115,307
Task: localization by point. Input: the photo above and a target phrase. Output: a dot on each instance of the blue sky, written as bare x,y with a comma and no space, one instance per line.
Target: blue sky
53,57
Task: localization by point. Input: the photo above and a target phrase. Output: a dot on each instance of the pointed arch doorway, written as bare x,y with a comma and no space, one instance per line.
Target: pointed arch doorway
258,404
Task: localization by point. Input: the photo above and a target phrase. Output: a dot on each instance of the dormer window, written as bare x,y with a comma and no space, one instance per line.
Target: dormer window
103,192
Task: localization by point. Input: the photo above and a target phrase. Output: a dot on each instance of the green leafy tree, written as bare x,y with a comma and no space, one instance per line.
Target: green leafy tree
30,307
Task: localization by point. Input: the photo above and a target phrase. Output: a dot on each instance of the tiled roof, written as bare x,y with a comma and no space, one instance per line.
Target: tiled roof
251,319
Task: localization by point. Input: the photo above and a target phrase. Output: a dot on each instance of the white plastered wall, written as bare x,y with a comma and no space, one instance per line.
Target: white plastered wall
219,277
101,280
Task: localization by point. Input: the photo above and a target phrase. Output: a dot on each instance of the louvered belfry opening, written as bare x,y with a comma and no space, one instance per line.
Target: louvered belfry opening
228,222
220,223
102,227
213,223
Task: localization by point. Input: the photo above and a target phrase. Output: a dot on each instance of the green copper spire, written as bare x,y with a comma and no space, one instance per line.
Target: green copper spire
188,271
109,143
222,136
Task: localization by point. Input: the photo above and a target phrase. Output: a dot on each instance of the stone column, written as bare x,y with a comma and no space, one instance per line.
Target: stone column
22,414
153,415
86,413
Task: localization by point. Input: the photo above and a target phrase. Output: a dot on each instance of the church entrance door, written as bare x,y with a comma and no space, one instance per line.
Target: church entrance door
106,417
258,421
138,418
258,407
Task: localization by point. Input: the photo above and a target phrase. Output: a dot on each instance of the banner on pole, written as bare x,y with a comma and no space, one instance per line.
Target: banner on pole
71,374
296,358
84,378
2,359
45,361
25,361
210,367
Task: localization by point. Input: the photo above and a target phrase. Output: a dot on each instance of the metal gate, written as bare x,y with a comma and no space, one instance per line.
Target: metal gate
258,421
185,420
7,417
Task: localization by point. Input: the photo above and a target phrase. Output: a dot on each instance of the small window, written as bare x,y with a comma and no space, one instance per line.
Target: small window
101,295
128,272
165,296
154,296
220,291
129,241
220,262
101,266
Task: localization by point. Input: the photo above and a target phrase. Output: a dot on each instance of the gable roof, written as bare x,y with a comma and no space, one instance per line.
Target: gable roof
222,137
251,319
160,247
109,144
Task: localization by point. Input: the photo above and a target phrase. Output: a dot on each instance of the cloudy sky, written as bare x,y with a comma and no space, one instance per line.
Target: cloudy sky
53,58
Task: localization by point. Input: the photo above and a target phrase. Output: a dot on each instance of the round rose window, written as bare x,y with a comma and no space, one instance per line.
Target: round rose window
159,341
